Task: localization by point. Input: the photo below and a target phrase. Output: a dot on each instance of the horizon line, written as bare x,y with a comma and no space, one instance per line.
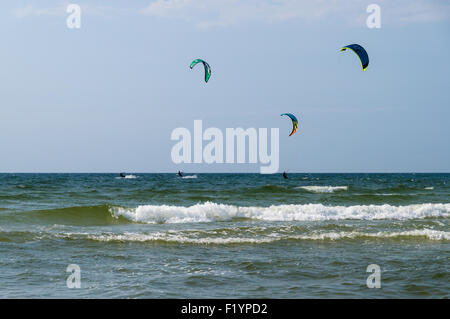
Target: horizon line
174,172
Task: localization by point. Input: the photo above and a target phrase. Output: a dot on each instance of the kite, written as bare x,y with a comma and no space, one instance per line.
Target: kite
294,122
360,52
207,68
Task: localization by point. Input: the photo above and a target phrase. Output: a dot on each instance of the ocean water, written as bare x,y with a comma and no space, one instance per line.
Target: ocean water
224,235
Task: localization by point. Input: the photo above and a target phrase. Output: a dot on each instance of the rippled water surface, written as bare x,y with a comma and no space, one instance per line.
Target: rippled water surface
224,235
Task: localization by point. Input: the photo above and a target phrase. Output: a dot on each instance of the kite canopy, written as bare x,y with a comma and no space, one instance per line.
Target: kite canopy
205,65
294,122
360,52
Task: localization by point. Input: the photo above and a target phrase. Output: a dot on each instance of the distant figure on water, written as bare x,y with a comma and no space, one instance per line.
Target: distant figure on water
122,174
284,174
179,174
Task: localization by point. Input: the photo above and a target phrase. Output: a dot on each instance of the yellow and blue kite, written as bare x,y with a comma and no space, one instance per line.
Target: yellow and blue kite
360,52
294,122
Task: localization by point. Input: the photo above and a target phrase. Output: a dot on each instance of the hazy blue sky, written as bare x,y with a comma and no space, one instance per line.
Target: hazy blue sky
106,97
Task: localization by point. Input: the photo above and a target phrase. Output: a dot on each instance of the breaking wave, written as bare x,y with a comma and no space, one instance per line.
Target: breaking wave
205,238
323,189
212,212
189,176
212,237
128,177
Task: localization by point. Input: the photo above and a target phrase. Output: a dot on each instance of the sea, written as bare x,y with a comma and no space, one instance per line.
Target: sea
224,236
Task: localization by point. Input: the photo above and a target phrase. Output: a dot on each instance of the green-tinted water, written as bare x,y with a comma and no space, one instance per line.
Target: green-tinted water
224,235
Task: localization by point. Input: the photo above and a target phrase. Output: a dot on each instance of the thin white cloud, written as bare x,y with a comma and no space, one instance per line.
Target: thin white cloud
30,10
423,11
208,13
60,10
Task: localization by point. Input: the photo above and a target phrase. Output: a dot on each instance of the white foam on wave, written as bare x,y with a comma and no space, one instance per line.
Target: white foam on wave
427,233
127,177
176,238
323,189
429,188
212,212
189,176
183,238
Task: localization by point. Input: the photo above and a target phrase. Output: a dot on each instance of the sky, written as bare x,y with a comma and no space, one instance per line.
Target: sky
107,96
